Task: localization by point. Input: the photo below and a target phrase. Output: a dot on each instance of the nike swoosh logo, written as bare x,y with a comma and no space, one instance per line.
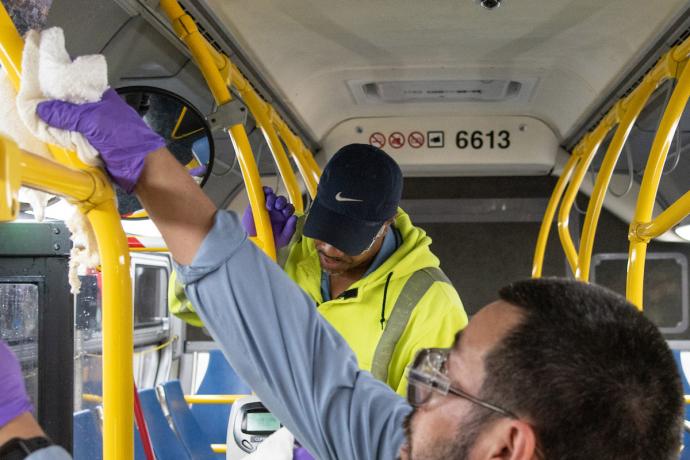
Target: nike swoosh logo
339,197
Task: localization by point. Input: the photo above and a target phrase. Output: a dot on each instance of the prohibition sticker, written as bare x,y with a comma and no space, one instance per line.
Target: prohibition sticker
396,140
415,139
377,140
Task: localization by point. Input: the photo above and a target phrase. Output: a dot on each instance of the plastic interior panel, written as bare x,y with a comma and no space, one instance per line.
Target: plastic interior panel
220,378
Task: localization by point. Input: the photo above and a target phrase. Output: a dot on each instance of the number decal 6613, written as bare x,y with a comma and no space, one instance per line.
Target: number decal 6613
481,139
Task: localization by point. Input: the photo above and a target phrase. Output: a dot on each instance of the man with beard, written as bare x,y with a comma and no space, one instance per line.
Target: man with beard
554,369
369,270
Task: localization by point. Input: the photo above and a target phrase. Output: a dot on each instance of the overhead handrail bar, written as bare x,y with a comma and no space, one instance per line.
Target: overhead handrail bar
100,209
215,68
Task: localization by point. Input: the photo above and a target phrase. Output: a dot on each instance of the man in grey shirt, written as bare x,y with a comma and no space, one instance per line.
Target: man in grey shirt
555,369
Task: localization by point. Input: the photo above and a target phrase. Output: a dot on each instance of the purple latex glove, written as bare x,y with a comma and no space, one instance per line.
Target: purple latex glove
13,398
300,453
280,212
113,128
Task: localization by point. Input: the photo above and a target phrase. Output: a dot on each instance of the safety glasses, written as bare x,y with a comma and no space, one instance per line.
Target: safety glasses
427,376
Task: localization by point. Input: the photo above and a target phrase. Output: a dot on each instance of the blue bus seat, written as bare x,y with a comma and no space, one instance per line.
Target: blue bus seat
220,378
681,356
139,453
87,438
188,429
165,443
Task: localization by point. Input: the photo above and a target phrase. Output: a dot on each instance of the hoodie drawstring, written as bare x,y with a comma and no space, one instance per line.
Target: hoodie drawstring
383,304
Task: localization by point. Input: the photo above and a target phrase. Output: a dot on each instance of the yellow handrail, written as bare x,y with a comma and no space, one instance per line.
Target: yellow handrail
215,68
626,114
63,179
642,227
590,147
212,399
650,186
543,238
220,72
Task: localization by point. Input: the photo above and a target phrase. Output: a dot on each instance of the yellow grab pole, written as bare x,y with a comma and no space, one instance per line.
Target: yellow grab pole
216,71
250,173
671,216
118,398
297,150
590,145
543,238
260,110
92,192
630,111
650,185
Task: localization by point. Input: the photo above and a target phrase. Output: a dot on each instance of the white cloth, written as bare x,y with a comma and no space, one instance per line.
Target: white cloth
277,446
49,73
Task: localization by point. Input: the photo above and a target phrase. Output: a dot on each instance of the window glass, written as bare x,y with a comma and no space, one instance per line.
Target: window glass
150,294
19,328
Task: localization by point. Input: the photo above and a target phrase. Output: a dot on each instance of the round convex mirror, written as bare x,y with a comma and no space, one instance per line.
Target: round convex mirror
185,131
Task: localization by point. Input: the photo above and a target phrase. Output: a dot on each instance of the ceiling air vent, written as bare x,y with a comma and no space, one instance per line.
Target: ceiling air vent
392,92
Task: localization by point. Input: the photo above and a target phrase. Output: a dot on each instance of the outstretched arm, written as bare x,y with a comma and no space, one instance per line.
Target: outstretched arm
180,209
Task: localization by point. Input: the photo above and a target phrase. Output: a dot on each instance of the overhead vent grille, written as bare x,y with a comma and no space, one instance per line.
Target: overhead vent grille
394,92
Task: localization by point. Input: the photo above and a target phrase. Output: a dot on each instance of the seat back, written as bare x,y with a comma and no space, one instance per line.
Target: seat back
220,378
683,362
166,445
192,436
87,437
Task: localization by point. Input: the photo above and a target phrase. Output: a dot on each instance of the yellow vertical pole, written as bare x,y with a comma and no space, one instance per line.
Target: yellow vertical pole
543,238
118,441
650,186
118,342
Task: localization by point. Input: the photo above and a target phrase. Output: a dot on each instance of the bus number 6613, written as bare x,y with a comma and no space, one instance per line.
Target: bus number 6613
476,139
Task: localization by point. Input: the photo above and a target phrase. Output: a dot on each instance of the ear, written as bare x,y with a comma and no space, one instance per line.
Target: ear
509,439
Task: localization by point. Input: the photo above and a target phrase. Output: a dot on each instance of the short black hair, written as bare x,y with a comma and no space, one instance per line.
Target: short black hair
589,372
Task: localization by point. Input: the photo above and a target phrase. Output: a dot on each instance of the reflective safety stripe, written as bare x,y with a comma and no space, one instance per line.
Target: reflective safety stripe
413,291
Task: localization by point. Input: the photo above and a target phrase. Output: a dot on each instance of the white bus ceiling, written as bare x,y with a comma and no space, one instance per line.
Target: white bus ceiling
576,50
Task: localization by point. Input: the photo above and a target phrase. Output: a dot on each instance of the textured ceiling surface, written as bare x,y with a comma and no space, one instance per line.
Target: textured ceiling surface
576,49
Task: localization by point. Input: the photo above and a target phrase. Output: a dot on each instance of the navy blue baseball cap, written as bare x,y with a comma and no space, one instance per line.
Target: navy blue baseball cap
359,190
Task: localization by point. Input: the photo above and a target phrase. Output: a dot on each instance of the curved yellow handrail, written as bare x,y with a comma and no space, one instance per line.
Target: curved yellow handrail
650,186
72,180
587,152
220,73
215,68
626,114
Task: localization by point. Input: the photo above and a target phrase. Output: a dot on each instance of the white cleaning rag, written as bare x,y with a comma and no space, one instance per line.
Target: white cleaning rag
49,73
12,127
277,446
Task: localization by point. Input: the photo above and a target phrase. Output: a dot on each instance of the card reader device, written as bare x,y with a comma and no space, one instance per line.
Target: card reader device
250,423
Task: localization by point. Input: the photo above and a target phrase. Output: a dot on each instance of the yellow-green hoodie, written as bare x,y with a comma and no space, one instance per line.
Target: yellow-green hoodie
433,322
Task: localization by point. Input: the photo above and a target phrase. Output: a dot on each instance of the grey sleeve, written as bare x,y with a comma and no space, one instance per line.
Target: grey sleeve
300,367
50,453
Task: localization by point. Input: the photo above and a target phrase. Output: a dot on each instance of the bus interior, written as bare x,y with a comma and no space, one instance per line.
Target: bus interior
526,132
